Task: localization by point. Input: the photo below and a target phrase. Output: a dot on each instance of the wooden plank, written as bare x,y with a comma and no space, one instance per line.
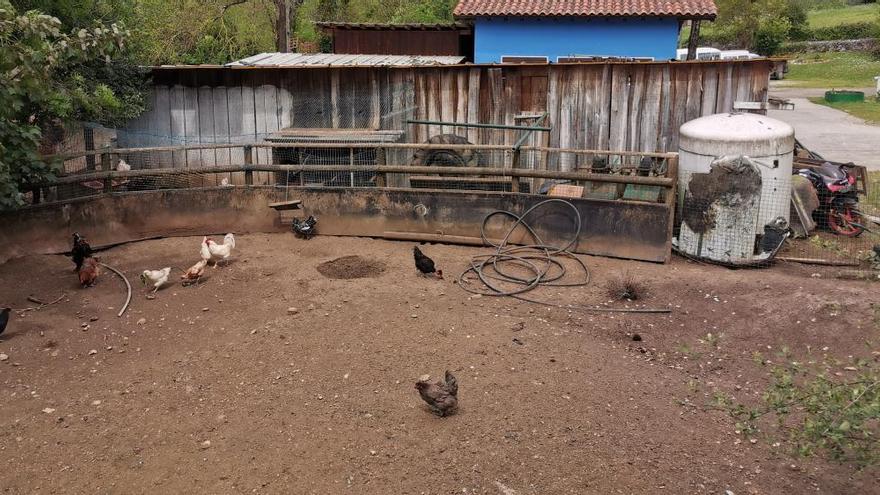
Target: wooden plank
710,89
620,97
724,102
221,124
206,125
191,124
178,128
461,96
446,98
648,122
286,205
375,116
473,103
161,125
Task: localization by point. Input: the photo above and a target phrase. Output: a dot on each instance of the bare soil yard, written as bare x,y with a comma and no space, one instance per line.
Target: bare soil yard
271,377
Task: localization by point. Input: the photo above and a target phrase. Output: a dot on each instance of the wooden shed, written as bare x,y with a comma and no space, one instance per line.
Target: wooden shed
400,39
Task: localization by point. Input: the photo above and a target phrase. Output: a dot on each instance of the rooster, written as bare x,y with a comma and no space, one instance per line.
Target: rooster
80,250
157,277
4,319
305,228
425,264
205,253
441,397
88,272
220,251
195,272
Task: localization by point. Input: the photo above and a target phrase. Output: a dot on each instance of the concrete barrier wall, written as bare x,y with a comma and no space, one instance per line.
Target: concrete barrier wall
610,228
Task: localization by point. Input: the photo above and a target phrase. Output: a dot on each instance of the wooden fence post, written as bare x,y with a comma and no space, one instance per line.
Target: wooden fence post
514,180
671,202
380,161
105,167
248,161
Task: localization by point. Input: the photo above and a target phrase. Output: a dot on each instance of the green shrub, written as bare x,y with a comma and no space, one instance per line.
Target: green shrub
771,33
841,32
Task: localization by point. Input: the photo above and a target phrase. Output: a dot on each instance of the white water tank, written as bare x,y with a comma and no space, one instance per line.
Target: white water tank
769,146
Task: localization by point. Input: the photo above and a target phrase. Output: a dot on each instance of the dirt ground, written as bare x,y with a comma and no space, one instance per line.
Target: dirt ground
272,378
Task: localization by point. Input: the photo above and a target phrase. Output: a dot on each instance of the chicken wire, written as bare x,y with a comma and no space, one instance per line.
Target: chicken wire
735,217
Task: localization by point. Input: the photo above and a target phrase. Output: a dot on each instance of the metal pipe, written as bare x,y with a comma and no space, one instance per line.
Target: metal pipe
478,126
522,139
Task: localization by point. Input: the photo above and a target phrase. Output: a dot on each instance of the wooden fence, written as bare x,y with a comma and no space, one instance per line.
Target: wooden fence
614,106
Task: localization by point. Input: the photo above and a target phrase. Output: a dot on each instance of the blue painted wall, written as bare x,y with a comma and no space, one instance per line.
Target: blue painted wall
560,37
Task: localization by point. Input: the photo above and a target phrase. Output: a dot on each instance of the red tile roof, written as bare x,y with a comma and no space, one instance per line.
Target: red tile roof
704,9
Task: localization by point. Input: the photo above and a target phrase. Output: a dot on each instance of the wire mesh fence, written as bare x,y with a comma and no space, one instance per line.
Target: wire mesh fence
734,213
740,212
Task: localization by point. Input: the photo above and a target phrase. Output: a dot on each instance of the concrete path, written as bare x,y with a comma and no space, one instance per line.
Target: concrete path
833,134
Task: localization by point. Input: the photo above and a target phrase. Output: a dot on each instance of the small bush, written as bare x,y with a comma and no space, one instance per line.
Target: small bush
816,408
625,287
770,35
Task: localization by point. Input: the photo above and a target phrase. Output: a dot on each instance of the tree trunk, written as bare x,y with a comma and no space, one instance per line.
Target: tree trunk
282,26
694,38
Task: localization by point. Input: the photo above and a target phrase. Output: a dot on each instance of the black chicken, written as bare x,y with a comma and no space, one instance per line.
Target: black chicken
80,250
425,264
305,228
4,319
441,397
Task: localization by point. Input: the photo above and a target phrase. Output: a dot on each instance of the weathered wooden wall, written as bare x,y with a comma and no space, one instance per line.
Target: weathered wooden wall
615,106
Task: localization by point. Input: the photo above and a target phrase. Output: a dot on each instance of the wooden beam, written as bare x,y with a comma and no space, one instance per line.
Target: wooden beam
693,39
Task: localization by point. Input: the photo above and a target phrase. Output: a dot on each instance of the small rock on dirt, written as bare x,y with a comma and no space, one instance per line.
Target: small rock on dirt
142,321
205,445
3,357
48,410
636,337
292,311
93,352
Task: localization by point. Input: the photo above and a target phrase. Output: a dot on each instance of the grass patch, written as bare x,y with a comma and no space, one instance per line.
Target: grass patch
832,70
850,14
868,110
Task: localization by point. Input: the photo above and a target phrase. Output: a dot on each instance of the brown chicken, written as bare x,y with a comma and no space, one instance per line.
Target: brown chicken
194,274
441,397
88,272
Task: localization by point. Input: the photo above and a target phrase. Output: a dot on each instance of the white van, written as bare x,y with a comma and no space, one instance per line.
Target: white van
703,53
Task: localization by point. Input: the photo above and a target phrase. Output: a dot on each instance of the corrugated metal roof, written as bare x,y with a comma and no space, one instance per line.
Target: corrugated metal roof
342,60
550,8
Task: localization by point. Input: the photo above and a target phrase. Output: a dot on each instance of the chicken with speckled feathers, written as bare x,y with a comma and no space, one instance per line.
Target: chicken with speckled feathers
441,396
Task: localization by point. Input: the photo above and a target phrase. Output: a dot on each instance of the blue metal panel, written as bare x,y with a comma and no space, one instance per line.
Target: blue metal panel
561,37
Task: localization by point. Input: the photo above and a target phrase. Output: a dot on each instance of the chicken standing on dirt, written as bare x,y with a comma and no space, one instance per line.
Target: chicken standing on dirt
88,272
424,264
219,251
156,277
4,319
441,397
80,250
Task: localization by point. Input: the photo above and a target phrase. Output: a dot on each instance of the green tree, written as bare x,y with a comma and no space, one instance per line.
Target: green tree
40,88
743,22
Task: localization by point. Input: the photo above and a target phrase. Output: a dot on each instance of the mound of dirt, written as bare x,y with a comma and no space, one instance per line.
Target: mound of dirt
349,267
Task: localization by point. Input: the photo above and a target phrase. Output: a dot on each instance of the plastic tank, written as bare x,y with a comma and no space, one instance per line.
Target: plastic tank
769,146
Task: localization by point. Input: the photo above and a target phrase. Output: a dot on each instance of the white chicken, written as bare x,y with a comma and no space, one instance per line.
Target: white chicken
122,166
205,253
221,251
156,277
